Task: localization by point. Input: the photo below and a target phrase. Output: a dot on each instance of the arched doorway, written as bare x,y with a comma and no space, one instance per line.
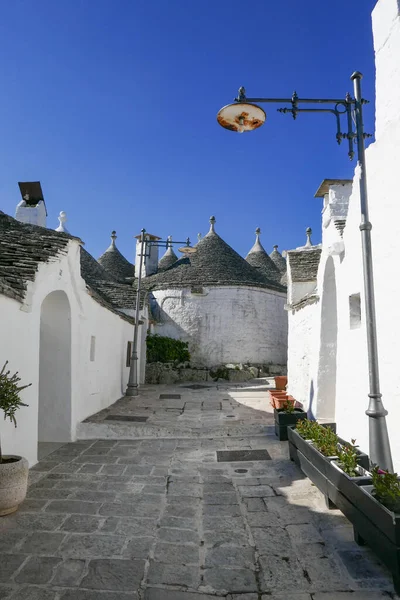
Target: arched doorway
326,394
54,423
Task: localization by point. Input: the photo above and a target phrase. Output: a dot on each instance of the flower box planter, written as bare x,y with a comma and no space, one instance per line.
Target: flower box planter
316,457
283,420
321,462
347,485
372,522
362,458
387,520
281,382
370,532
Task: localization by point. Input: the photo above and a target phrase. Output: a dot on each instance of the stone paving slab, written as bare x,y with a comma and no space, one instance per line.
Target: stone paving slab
161,518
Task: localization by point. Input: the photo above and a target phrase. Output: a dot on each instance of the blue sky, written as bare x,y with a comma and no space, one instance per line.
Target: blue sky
112,105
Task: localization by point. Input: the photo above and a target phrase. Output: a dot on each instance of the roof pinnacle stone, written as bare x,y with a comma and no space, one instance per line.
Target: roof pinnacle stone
308,234
212,224
113,238
258,247
62,218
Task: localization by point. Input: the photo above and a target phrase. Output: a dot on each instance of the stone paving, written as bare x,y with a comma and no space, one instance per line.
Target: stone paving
159,518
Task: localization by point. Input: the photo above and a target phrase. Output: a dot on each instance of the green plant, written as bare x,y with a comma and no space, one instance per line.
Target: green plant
324,438
306,428
347,455
289,407
165,349
10,401
386,488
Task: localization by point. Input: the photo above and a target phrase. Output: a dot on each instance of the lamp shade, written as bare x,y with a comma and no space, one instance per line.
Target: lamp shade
241,117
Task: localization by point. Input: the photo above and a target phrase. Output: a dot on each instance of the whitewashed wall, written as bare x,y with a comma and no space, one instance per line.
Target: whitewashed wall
383,159
95,384
302,344
226,324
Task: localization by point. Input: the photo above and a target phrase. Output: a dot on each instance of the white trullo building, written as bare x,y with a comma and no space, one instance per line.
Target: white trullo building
229,309
65,326
327,357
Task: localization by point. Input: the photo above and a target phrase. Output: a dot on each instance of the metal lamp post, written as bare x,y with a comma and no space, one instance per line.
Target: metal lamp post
245,115
133,381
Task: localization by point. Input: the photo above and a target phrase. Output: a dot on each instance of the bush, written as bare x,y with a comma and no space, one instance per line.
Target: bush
165,349
10,401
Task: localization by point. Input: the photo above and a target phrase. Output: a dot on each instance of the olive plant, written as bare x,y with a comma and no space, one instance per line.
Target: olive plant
10,401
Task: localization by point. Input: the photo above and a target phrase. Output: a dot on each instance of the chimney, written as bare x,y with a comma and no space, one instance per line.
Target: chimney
150,258
32,208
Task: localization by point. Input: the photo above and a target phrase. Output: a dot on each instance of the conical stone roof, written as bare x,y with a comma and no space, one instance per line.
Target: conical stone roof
278,259
168,259
115,263
259,259
214,263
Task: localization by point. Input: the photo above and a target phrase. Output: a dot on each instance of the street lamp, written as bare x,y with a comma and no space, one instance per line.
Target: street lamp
244,115
145,244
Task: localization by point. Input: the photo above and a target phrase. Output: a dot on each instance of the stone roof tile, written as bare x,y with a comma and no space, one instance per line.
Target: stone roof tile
304,263
259,259
214,263
167,260
278,260
115,263
22,248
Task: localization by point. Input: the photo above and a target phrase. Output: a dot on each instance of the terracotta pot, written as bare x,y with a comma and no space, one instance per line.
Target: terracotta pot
281,382
275,394
13,483
281,402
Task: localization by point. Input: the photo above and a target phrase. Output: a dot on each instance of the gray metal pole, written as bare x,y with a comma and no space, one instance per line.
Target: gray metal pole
379,446
133,384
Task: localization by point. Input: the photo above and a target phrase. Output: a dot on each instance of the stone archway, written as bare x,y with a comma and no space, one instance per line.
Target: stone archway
54,415
327,367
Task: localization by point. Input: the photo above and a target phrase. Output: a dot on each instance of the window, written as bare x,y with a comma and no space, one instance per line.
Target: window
128,354
355,311
92,348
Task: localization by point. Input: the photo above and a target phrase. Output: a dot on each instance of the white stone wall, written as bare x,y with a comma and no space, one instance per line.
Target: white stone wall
383,158
226,324
302,341
95,384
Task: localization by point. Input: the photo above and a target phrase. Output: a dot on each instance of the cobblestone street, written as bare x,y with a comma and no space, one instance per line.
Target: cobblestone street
169,516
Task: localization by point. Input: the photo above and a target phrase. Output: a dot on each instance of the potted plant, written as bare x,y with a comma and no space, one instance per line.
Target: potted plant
280,382
13,469
289,414
281,401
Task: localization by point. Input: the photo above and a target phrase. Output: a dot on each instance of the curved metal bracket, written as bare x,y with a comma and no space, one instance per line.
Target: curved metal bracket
339,107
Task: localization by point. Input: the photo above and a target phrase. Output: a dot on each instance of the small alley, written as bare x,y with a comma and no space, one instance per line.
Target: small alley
183,493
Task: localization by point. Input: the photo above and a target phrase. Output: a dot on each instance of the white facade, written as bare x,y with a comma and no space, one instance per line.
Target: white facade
72,349
225,324
335,380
